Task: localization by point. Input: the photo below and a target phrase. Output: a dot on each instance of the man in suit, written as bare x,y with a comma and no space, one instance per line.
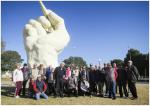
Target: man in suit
132,77
122,81
59,75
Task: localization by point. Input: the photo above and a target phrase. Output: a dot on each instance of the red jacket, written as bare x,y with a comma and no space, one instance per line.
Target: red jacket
36,88
115,72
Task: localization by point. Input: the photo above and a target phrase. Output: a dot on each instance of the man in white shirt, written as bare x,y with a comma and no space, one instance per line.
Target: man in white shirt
35,71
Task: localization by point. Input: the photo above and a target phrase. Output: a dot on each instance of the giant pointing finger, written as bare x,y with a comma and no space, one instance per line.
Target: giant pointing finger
51,16
45,38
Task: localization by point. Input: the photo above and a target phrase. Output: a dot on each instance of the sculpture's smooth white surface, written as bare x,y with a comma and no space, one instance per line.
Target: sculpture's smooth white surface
44,39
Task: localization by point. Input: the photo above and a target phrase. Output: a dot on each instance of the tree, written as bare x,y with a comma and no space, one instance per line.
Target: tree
141,61
9,59
146,63
131,55
78,61
118,62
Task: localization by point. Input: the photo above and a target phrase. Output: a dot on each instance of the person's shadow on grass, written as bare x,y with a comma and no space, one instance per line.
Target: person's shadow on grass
9,91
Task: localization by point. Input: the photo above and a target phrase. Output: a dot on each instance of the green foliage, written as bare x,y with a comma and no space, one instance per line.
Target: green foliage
77,61
141,61
131,55
9,59
118,62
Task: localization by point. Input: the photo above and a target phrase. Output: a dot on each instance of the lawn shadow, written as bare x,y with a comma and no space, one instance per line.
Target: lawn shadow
8,91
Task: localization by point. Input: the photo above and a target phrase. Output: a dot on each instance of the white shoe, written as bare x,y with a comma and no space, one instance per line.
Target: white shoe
17,96
126,97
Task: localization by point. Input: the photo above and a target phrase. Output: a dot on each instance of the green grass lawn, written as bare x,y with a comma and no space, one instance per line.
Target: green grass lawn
7,98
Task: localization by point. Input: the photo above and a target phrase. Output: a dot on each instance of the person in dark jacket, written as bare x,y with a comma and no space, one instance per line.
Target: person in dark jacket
31,92
50,80
132,77
107,82
122,81
84,81
84,74
92,80
40,88
101,80
26,76
59,76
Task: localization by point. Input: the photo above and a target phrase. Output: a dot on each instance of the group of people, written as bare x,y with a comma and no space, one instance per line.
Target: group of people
74,81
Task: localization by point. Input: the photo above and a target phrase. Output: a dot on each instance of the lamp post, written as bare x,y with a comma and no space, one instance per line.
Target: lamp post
74,47
129,52
99,61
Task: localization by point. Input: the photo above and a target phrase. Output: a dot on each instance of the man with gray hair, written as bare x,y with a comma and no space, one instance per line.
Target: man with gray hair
132,77
112,76
59,75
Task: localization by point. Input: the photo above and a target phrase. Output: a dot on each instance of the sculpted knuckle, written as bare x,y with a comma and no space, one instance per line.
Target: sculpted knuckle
42,47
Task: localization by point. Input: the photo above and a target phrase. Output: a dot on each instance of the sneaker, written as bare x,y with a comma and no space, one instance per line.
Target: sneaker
133,98
62,96
55,96
17,97
121,96
109,96
113,98
106,94
101,95
125,97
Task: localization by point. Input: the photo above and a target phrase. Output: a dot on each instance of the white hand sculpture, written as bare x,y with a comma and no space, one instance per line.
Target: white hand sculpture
44,39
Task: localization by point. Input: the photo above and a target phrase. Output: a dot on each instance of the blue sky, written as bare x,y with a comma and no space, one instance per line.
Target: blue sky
97,29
